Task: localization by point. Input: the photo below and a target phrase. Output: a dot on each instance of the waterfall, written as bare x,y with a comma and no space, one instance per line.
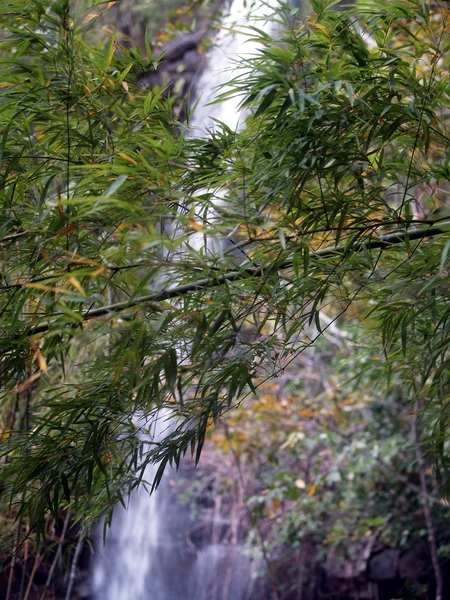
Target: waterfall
228,47
149,554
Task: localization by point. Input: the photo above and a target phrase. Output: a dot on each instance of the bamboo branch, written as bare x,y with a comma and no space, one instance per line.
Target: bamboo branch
382,242
37,561
13,561
73,567
57,557
14,236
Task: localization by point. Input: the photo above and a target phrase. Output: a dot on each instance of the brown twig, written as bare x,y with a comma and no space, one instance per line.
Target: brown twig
37,562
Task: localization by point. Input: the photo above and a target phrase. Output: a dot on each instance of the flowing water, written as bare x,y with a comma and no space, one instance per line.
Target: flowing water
149,554
230,44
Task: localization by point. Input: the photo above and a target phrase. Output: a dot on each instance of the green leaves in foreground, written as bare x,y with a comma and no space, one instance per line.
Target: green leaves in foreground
141,270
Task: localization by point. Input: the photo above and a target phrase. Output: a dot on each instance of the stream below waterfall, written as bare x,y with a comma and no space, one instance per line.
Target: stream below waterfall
149,552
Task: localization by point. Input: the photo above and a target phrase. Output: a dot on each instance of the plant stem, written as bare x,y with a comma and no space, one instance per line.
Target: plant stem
57,555
73,567
382,242
13,561
37,561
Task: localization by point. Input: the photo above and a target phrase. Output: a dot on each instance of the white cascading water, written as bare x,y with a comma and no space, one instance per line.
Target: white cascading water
228,48
147,555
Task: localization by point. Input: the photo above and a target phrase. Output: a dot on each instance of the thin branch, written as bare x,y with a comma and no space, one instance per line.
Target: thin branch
151,300
37,562
57,555
73,567
14,236
13,561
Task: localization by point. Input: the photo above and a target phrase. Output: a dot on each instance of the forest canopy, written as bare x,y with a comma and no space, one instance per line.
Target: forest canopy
145,269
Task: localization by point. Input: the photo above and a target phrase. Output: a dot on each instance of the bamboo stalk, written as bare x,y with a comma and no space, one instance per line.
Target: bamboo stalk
37,562
153,299
73,567
13,561
57,556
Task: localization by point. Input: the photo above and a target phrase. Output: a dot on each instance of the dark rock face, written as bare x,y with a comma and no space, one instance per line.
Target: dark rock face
180,66
380,573
384,565
358,571
415,563
178,47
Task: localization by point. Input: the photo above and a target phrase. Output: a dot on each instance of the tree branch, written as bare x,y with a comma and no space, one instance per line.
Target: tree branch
382,242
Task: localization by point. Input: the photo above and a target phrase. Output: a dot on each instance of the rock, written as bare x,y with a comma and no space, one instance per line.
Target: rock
179,46
192,60
180,64
384,565
211,530
415,564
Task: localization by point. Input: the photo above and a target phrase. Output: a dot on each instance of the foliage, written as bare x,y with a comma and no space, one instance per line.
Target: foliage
138,22
79,230
118,298
329,471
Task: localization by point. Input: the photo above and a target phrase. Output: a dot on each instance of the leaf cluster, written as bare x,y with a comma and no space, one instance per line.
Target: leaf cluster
142,270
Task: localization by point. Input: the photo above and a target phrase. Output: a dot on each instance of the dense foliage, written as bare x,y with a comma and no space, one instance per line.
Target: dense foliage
118,297
325,474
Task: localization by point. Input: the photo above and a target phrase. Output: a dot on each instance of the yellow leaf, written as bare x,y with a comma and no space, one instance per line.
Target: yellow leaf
41,361
42,286
307,413
76,284
97,272
195,225
322,28
111,54
128,158
311,490
89,17
83,260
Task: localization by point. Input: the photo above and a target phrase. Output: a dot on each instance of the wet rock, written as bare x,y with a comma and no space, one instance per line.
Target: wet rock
384,565
178,47
180,66
210,530
191,60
